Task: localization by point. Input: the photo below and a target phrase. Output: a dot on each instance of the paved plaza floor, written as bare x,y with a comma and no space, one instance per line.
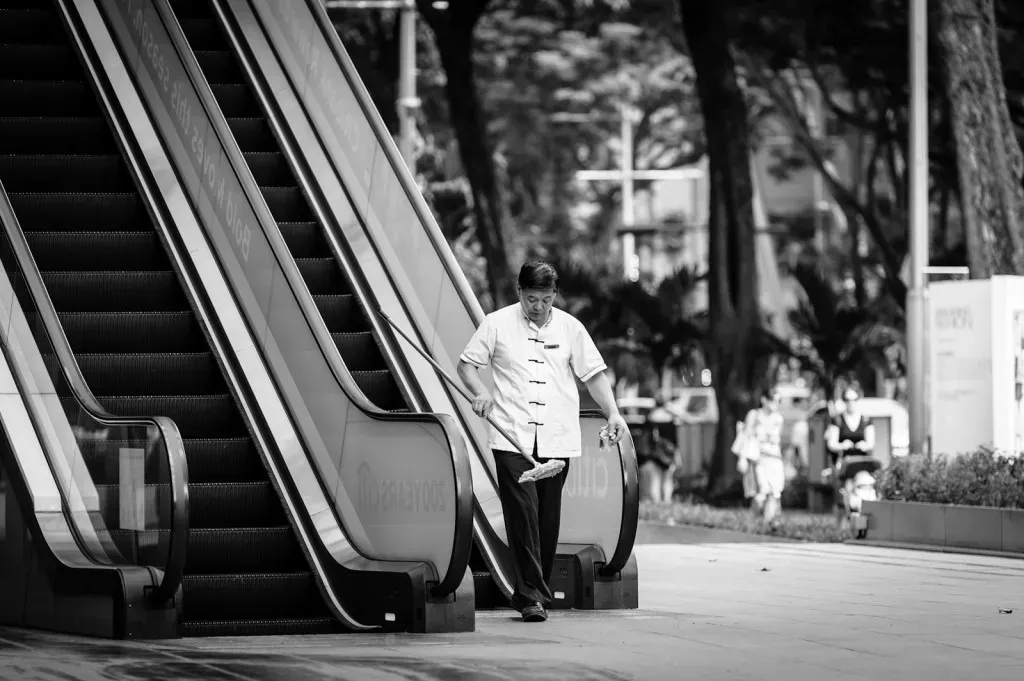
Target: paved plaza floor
713,605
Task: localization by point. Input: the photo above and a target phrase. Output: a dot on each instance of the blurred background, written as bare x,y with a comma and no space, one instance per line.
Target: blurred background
724,188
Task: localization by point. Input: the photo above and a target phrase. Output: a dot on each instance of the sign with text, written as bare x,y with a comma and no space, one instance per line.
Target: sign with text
976,345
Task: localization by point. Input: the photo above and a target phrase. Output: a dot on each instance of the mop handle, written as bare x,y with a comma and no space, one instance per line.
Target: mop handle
451,381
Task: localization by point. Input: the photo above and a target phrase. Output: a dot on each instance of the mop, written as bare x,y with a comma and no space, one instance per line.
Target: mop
539,470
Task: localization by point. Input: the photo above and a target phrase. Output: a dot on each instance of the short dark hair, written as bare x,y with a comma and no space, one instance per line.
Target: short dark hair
538,275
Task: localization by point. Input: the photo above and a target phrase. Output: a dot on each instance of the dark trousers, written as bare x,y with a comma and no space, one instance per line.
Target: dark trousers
533,513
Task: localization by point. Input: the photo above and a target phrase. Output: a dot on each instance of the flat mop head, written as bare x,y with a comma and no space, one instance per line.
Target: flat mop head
543,470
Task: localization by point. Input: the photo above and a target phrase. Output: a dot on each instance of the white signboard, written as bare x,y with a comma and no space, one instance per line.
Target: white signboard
976,361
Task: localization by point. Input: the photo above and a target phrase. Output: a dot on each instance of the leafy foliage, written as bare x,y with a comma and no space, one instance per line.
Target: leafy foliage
632,321
791,525
842,336
983,478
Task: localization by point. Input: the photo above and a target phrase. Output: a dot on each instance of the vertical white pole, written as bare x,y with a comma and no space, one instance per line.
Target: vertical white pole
407,100
629,268
919,225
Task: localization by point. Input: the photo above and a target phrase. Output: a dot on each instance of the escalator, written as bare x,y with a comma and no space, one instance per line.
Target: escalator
135,335
343,315
315,101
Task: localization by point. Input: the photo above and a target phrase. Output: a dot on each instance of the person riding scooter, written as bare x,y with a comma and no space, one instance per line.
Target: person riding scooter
851,442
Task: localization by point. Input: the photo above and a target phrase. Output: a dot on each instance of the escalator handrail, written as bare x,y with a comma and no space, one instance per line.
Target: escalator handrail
347,261
627,455
174,447
174,571
452,579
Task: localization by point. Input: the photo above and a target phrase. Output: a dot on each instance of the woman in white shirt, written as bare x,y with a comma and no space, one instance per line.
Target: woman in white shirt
764,424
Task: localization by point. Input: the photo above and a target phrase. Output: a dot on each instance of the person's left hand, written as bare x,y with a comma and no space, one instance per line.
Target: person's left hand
616,428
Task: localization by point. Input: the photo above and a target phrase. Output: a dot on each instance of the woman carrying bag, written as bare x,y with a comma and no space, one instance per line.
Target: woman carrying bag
758,446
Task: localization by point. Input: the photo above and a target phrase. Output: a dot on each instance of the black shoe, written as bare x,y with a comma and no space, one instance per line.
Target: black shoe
534,613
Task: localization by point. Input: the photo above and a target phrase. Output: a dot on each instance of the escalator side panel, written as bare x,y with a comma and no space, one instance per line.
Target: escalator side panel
391,595
412,525
113,288
600,502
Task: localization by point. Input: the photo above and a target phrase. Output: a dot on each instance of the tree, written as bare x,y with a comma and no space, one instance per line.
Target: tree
989,159
453,29
732,268
538,64
640,332
844,338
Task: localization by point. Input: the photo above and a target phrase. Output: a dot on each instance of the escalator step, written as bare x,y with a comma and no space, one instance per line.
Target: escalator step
341,313
210,460
80,212
235,100
30,98
152,373
282,627
96,332
224,460
203,33
31,26
254,549
219,66
64,135
252,134
486,592
59,173
234,505
97,251
197,416
287,204
191,9
269,168
251,596
380,388
360,351
320,274
211,505
304,239
38,62
115,291
210,551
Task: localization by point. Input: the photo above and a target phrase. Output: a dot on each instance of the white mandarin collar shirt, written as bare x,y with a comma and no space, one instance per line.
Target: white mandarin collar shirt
535,394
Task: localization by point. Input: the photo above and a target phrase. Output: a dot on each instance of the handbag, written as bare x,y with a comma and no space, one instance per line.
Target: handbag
745,447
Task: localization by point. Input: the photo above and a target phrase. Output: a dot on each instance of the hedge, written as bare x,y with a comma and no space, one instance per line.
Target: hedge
984,478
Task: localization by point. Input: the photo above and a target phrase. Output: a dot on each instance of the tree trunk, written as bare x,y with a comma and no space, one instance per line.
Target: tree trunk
989,160
453,36
732,283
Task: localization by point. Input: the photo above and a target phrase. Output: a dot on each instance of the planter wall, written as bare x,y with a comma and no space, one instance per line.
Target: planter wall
965,527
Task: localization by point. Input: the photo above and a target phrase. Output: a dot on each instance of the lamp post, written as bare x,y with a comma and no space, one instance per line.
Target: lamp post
626,174
919,225
408,102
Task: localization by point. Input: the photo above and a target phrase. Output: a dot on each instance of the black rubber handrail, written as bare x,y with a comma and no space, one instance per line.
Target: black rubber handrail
627,455
174,448
450,581
174,570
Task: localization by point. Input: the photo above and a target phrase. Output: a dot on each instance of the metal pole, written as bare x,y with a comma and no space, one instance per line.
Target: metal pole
919,226
408,102
628,211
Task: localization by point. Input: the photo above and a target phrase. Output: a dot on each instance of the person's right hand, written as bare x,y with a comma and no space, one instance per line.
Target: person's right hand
847,444
483,404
